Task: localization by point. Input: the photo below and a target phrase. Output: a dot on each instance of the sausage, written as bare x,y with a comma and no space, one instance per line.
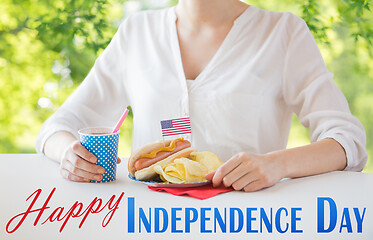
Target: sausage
142,163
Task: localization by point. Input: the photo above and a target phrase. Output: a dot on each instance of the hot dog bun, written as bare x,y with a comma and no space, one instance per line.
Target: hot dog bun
141,151
148,173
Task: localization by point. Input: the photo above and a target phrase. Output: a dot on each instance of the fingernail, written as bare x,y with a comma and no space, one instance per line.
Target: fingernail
98,177
93,159
101,171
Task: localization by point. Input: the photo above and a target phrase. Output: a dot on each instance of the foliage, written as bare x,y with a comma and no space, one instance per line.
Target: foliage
47,48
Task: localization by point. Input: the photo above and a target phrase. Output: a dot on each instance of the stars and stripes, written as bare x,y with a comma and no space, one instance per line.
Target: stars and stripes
176,126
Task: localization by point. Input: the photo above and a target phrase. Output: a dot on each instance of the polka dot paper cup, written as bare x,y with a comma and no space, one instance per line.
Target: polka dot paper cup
104,145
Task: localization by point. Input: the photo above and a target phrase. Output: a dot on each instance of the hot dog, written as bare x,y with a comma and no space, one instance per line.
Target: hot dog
160,154
141,162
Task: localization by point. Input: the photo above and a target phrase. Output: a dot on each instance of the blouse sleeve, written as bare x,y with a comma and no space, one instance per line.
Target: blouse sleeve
98,101
310,92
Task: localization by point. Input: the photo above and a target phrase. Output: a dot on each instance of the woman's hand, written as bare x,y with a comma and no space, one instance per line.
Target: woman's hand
79,165
248,172
252,172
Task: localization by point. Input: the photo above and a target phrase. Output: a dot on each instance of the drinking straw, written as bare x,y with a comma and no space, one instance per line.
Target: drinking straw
121,121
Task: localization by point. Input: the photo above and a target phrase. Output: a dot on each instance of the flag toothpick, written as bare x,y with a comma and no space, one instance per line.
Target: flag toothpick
175,126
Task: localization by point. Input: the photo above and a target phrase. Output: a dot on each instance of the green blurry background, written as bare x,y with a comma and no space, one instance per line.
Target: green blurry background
47,48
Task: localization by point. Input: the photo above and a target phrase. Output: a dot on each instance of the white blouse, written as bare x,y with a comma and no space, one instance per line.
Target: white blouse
268,67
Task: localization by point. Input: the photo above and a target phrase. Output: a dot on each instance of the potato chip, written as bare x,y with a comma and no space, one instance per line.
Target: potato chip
194,171
185,170
165,177
175,171
207,159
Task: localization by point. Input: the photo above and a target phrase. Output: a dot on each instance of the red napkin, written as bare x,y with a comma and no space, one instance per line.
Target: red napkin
202,192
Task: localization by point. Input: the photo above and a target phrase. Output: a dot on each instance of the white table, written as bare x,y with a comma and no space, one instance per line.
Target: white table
23,174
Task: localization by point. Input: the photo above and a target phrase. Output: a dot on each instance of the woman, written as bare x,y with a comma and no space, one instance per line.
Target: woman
238,71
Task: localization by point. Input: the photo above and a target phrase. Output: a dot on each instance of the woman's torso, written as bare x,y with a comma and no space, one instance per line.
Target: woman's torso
235,104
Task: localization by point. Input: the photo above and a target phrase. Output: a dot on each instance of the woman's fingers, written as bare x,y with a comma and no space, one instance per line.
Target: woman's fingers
69,176
210,175
240,171
245,180
82,164
79,165
248,172
255,186
226,168
81,173
83,152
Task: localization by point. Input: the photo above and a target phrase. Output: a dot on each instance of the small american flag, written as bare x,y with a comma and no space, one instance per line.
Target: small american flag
176,126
